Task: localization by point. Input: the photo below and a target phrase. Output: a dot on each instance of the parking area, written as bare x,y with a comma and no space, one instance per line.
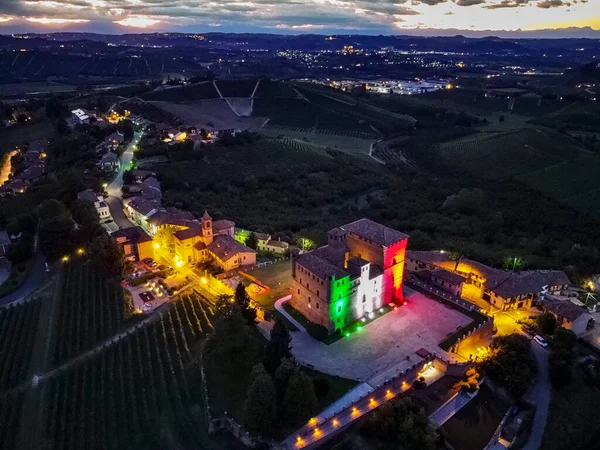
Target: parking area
385,342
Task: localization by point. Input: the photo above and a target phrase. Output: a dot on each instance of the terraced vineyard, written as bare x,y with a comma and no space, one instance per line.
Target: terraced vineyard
511,153
143,391
91,307
303,147
236,88
10,410
192,92
18,325
273,89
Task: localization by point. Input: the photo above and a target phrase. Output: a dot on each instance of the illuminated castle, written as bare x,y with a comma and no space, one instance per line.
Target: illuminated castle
357,272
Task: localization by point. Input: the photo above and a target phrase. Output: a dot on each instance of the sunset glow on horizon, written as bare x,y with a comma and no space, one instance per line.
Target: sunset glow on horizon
330,16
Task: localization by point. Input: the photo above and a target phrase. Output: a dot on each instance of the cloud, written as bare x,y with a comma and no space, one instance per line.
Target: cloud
54,20
551,4
432,2
508,4
137,22
469,2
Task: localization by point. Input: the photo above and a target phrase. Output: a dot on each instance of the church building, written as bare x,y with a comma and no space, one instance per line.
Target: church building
359,270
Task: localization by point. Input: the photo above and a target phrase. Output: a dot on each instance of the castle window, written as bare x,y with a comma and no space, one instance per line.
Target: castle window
364,298
317,292
307,285
339,309
308,299
298,291
317,306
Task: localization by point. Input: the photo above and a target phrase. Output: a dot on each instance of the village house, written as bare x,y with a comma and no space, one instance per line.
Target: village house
569,315
109,162
114,140
98,200
224,228
79,117
276,247
135,243
198,242
502,289
360,270
140,175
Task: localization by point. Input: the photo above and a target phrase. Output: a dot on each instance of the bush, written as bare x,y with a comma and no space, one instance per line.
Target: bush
546,323
148,276
321,386
318,332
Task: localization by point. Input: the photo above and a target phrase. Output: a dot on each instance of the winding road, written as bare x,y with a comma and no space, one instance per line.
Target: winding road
115,195
539,395
34,280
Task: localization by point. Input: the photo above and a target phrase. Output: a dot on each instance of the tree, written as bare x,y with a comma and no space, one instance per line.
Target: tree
564,338
278,346
56,237
286,370
54,108
260,408
321,383
107,255
50,209
230,339
243,301
300,401
546,323
560,365
84,214
511,363
165,238
21,250
470,380
252,240
223,307
401,425
126,128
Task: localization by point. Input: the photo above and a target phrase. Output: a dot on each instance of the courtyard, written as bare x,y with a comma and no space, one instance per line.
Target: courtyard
278,276
385,342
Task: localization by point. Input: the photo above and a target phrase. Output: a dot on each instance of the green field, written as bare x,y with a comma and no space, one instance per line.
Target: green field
500,155
17,135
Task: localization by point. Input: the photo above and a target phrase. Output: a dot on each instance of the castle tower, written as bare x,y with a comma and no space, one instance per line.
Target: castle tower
207,231
336,245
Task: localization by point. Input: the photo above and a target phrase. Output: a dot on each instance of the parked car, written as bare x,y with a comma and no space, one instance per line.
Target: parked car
540,341
149,262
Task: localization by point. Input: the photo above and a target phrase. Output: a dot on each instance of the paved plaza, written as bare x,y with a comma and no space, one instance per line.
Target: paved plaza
385,342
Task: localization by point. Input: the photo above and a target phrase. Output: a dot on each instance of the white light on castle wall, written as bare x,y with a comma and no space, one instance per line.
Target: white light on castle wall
371,315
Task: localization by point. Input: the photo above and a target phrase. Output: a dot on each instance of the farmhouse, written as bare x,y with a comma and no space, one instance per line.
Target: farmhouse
79,117
135,243
569,315
359,270
98,200
502,289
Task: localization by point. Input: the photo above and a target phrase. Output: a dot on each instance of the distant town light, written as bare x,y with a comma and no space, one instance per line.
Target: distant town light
80,251
65,258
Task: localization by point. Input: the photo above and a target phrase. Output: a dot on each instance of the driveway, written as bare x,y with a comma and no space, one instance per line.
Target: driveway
34,280
539,395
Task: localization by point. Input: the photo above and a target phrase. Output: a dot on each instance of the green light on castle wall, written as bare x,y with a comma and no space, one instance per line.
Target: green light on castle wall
339,301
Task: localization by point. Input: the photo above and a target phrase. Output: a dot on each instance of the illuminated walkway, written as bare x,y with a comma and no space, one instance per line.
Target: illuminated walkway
355,404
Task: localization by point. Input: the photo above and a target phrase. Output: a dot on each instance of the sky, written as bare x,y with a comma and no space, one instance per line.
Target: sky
294,16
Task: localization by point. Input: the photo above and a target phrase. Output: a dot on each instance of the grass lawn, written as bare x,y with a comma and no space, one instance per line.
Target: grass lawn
296,315
278,277
573,415
473,426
